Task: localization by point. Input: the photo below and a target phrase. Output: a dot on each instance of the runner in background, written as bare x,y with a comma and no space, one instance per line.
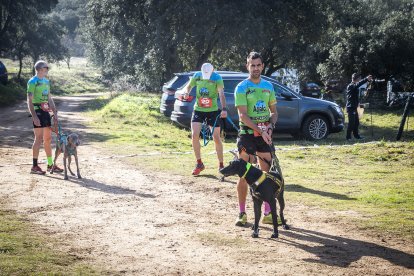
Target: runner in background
209,86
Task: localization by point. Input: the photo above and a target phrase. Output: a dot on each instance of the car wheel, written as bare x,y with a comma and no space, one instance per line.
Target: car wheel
315,127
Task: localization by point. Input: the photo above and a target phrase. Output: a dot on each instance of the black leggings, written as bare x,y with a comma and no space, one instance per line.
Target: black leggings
353,124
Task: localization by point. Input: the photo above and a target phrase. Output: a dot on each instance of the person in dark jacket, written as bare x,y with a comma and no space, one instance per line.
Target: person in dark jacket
352,103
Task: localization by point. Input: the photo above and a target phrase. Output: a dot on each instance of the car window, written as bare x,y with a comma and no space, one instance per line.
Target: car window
230,85
279,89
168,83
177,82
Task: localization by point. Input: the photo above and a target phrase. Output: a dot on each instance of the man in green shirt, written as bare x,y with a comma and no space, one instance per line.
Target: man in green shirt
40,103
256,104
209,87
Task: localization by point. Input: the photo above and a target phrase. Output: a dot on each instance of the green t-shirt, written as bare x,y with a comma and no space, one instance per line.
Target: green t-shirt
257,98
40,89
207,91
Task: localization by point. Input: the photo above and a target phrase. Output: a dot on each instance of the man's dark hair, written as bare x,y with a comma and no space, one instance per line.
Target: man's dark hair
355,76
254,55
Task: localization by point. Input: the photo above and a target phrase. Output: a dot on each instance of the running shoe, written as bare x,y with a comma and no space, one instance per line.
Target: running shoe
242,219
54,168
198,169
267,219
37,170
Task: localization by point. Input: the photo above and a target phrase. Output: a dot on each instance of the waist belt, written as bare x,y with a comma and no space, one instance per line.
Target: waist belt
246,130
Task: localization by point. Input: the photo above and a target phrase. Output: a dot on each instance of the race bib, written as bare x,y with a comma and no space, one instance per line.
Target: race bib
262,126
205,102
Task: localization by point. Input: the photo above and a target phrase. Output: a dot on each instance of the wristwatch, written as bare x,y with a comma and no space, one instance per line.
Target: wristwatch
224,109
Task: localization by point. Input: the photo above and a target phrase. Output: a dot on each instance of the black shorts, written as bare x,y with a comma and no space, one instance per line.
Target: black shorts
44,118
251,144
210,117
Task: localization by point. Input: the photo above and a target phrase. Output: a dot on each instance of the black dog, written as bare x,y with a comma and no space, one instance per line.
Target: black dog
263,187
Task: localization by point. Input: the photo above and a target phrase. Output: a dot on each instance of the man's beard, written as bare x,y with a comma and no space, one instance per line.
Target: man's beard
255,75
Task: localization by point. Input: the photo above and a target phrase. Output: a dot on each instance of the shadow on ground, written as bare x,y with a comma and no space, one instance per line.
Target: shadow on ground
300,189
102,187
341,252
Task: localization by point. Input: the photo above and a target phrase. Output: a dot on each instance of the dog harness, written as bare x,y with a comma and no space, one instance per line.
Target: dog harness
262,178
259,180
63,139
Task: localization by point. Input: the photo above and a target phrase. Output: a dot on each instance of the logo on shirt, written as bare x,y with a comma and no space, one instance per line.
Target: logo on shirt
204,92
250,91
259,107
265,91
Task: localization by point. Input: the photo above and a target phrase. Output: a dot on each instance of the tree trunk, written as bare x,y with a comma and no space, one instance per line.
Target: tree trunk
20,56
20,67
68,62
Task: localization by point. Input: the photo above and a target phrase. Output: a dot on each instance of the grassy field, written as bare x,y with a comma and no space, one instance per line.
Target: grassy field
373,180
23,252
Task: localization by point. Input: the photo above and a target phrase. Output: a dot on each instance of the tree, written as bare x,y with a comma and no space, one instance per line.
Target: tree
17,14
152,39
370,37
71,13
28,31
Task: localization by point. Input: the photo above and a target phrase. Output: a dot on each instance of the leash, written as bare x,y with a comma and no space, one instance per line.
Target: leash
60,136
274,164
232,123
207,133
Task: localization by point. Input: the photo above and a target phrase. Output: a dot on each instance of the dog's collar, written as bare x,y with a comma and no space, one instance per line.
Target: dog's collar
248,165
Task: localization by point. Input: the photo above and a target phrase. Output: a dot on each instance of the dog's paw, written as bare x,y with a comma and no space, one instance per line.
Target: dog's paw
79,176
255,234
66,177
285,226
274,236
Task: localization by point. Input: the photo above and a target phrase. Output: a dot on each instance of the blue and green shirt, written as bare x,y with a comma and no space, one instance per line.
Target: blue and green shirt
257,98
40,89
207,91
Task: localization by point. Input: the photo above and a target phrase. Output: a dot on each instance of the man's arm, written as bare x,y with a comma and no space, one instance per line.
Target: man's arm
361,82
273,115
190,86
187,88
52,104
242,110
223,102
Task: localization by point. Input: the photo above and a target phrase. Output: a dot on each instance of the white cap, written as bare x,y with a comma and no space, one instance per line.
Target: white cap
207,70
41,64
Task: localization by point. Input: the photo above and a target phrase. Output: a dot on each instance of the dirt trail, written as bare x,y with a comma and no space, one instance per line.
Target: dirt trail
131,221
